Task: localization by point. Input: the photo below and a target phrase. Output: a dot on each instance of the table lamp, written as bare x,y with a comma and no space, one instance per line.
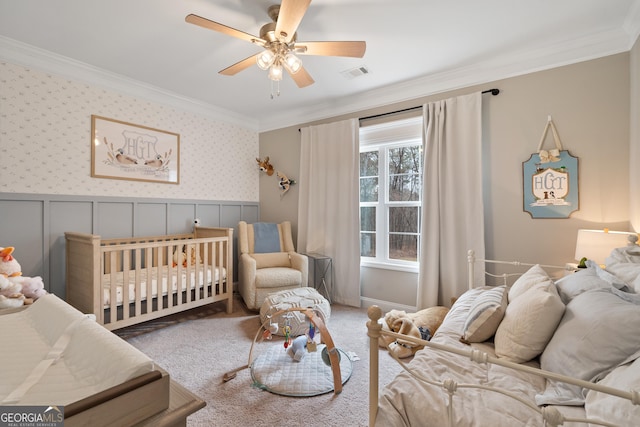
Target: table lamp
596,245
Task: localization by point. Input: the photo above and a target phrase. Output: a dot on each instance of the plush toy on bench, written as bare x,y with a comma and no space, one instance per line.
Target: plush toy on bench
10,293
9,266
422,324
16,289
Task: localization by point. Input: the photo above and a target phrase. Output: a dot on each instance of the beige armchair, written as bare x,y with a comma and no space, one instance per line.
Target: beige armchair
268,262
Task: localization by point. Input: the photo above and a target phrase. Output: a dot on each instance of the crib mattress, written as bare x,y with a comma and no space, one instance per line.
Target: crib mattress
55,355
196,278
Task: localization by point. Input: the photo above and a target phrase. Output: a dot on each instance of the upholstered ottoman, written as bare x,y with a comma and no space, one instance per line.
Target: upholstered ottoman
294,298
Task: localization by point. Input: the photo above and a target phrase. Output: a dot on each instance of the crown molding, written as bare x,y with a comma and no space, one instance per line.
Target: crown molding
524,62
30,56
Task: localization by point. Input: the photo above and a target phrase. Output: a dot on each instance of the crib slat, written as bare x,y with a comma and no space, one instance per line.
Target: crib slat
126,270
138,279
221,286
157,263
170,274
148,257
113,288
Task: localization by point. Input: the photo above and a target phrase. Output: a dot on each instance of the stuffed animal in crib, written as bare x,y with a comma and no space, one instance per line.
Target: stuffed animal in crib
9,266
422,324
10,293
265,166
180,257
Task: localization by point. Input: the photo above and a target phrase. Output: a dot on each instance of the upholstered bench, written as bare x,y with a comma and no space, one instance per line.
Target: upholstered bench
294,298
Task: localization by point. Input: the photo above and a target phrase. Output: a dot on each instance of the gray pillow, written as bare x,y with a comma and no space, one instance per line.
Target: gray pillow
585,279
598,332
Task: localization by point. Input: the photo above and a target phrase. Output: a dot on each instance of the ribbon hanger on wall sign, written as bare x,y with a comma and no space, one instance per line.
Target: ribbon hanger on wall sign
552,155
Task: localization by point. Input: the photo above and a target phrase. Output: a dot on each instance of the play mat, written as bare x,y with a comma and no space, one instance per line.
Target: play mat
276,371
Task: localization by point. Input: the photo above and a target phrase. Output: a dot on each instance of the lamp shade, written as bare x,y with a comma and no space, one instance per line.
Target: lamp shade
596,245
265,59
275,72
292,62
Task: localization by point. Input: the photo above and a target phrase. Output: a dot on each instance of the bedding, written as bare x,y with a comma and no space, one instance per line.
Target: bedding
195,279
582,328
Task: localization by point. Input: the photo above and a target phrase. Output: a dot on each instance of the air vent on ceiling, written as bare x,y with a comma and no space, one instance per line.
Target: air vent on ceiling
355,72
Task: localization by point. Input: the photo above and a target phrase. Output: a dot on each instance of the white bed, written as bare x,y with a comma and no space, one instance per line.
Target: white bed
583,328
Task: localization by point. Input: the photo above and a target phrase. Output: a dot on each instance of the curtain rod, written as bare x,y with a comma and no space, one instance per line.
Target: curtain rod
493,92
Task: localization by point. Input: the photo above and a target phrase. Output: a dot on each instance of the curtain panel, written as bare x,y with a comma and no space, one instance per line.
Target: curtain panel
453,211
329,209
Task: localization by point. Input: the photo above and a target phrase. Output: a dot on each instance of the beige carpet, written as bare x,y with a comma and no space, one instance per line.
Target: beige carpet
198,347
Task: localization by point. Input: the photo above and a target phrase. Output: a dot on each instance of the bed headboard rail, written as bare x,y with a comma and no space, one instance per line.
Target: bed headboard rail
473,261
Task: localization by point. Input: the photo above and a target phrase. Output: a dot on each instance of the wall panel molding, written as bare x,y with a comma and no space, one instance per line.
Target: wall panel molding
35,224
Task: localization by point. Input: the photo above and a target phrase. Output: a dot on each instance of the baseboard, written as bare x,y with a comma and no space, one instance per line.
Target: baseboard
386,306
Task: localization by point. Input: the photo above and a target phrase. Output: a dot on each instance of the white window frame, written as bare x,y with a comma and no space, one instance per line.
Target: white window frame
401,133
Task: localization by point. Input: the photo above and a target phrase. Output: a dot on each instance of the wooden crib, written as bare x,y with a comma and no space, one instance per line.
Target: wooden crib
131,280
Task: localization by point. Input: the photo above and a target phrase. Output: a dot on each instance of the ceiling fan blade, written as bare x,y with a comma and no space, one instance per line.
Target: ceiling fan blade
239,66
351,49
215,26
302,78
289,17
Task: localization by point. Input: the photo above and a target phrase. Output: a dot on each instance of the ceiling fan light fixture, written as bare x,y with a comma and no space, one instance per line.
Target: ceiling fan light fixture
292,62
275,72
265,59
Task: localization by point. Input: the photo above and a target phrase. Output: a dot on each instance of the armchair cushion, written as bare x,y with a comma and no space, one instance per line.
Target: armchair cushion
274,259
278,277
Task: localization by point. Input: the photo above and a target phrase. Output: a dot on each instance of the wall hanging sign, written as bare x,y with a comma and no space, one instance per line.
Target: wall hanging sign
550,179
121,150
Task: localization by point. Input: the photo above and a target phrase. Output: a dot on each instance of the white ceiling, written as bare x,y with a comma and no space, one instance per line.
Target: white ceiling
414,48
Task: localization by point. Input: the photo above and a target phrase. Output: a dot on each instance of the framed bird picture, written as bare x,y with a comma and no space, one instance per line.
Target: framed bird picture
121,150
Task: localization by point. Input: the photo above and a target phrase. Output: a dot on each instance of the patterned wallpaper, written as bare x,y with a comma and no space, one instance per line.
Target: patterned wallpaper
45,137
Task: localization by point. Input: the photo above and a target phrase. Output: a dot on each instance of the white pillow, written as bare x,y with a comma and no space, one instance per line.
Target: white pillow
627,272
530,278
615,410
581,281
598,332
485,315
529,323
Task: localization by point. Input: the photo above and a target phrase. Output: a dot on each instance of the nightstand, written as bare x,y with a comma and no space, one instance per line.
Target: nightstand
322,266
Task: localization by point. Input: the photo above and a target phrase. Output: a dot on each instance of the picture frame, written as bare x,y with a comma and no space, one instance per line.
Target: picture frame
121,150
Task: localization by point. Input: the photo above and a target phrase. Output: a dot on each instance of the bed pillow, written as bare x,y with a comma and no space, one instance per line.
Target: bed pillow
530,278
627,272
612,409
529,323
583,280
485,315
598,332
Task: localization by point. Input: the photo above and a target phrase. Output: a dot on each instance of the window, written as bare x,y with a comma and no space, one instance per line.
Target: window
391,192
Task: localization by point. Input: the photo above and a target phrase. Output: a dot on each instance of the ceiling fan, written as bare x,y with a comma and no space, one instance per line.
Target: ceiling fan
279,40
